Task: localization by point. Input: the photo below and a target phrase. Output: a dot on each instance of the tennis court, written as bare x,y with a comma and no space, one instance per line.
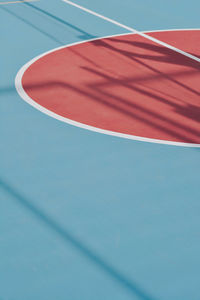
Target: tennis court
100,150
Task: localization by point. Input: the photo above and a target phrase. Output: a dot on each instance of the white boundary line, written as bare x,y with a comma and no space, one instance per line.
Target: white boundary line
25,97
132,30
14,2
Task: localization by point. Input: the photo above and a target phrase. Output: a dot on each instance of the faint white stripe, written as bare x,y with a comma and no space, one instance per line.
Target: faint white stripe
20,1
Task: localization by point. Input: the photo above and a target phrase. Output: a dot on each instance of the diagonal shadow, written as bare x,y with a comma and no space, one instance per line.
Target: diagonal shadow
31,25
168,55
193,110
171,76
134,115
32,22
85,34
78,245
171,57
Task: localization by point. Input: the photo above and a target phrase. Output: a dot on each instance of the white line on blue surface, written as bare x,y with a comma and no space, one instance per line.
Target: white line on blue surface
14,2
133,30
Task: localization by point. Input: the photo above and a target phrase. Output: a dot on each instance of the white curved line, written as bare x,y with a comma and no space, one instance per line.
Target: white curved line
25,97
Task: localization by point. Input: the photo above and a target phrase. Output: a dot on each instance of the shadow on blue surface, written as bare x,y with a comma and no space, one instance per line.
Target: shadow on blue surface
32,21
85,35
31,24
78,245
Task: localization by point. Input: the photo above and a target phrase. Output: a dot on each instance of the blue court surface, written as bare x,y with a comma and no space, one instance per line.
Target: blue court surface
86,215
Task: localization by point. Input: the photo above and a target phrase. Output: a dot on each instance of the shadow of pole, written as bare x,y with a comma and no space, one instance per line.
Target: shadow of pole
79,246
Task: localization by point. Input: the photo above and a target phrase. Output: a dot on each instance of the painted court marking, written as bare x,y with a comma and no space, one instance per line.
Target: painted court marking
132,30
14,2
61,93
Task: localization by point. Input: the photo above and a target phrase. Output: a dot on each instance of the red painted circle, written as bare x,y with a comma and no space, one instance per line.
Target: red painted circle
126,84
